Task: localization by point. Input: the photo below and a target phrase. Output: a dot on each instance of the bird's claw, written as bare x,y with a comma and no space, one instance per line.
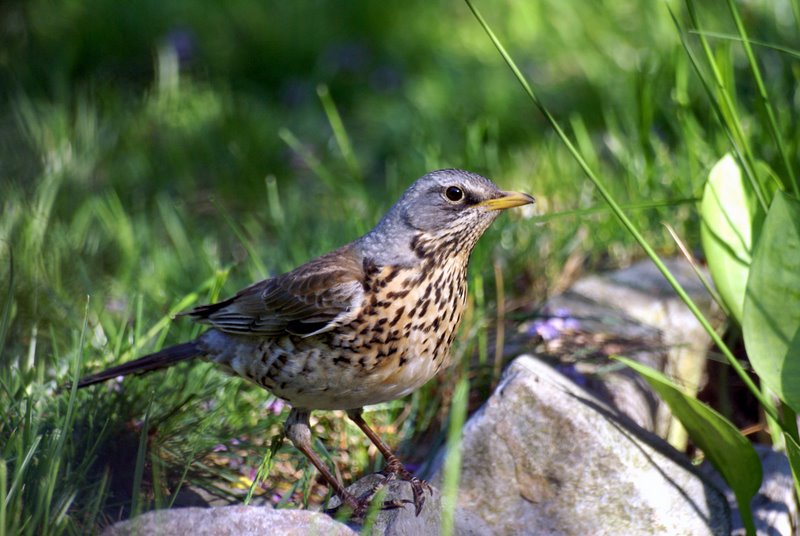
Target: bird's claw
418,486
358,506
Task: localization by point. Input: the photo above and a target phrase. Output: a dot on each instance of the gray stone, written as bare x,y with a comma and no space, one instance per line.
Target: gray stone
543,456
631,312
642,293
605,331
230,521
401,521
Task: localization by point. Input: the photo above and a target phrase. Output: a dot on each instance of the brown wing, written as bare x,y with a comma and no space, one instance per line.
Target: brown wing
313,298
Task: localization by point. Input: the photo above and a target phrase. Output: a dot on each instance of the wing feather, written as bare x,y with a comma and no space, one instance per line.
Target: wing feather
313,298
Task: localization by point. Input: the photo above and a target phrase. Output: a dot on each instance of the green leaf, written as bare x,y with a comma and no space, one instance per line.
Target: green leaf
771,323
724,446
727,212
793,453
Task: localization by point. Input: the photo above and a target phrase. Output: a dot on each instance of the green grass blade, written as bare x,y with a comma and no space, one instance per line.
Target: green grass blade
373,510
138,472
265,467
793,453
723,104
163,323
5,319
626,222
727,449
451,473
601,209
3,497
794,53
308,157
252,254
21,468
69,419
765,101
339,132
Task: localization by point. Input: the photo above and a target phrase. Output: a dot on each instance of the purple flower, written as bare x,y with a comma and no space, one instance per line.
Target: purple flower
116,385
551,326
276,406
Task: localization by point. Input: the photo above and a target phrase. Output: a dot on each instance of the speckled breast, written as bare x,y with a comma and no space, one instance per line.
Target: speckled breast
400,339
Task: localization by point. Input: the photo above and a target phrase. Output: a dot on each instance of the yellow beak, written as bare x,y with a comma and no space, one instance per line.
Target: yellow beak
507,200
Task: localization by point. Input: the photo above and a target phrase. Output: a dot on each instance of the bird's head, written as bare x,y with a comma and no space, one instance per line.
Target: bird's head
446,208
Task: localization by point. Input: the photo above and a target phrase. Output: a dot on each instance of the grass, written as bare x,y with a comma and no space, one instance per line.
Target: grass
182,163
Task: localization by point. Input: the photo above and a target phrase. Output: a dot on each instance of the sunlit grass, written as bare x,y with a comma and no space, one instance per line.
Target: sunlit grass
124,203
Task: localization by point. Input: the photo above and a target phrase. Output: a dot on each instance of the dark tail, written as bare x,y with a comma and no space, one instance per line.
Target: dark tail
159,360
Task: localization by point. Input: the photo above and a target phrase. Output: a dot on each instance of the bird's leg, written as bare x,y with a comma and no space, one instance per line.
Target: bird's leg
393,464
299,433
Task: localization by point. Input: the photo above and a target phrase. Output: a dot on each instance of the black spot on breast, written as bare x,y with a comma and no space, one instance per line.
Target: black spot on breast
393,336
397,294
427,292
418,247
391,275
440,340
369,267
397,316
423,309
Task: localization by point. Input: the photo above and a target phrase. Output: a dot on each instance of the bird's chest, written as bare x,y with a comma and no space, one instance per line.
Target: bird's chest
407,323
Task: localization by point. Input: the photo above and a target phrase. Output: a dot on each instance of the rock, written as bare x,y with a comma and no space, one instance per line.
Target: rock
397,521
632,312
543,456
583,355
230,520
774,507
246,520
642,292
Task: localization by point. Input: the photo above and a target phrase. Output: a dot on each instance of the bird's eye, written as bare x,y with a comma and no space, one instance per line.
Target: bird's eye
454,194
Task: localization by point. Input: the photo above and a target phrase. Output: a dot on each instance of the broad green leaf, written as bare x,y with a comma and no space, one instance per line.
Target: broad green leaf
724,446
727,212
793,453
771,323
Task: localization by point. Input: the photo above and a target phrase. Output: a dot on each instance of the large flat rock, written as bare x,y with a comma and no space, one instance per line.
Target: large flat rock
230,521
543,456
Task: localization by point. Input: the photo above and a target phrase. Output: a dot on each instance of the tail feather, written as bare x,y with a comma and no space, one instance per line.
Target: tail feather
159,360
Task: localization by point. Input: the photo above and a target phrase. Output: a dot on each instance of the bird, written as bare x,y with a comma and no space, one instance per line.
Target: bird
369,322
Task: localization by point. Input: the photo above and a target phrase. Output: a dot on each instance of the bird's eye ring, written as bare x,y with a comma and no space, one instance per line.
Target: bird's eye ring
454,194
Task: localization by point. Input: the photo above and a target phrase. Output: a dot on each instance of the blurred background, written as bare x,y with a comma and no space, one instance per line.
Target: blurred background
154,155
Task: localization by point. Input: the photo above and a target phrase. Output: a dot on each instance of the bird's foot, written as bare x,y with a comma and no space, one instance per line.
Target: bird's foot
395,469
359,506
